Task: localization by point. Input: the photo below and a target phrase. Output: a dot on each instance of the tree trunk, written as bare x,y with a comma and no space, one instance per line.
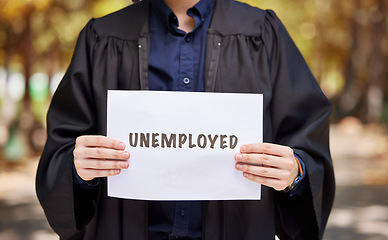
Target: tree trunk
375,92
349,98
28,56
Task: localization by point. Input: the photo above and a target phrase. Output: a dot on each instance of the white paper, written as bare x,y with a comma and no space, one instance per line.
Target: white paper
184,173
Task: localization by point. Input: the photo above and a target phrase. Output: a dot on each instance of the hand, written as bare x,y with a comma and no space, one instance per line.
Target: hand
99,156
268,164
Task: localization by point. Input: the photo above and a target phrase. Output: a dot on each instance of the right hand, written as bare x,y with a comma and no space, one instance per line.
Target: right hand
99,156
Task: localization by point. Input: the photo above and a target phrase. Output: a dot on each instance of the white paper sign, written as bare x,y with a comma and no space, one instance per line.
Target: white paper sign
182,144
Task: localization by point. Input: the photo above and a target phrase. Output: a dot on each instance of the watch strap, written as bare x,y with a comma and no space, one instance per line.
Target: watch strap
297,179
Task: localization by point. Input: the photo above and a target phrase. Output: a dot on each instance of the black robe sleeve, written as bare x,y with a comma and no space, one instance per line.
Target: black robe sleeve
71,114
300,119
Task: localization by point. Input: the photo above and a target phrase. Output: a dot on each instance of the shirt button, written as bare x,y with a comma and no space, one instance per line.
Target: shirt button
186,80
182,213
187,39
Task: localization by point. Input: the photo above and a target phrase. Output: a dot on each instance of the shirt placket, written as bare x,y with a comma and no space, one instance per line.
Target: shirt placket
182,217
186,64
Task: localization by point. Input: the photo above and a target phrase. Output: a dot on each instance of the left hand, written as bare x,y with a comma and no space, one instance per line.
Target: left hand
268,164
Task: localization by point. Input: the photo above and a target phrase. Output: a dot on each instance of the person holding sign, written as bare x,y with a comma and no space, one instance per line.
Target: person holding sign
188,45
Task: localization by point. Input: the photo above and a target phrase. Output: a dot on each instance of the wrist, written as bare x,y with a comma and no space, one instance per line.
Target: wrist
298,177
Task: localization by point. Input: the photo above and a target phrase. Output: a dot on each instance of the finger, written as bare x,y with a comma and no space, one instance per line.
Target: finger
101,164
270,182
100,153
259,159
100,141
259,170
89,174
267,148
283,177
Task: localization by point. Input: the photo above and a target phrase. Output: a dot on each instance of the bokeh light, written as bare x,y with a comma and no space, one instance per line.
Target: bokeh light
16,86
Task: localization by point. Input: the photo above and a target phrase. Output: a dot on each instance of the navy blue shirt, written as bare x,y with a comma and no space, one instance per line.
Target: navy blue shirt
176,63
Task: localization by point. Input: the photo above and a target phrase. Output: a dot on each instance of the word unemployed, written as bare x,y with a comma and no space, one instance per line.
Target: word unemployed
163,140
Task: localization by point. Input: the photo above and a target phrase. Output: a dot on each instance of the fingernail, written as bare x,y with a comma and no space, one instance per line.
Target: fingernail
126,154
238,166
124,164
238,156
122,146
243,148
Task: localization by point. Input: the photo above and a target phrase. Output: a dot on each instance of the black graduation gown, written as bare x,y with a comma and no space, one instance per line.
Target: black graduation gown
248,51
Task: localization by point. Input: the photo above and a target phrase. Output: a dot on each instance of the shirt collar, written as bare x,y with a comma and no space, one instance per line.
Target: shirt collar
204,8
201,11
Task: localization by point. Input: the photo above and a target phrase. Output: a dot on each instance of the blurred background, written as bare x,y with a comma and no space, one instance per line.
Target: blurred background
344,43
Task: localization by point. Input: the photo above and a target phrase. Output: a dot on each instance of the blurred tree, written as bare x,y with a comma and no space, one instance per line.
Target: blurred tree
41,33
16,19
365,61
345,44
39,36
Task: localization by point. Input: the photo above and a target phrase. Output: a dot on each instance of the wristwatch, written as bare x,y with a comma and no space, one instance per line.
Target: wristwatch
297,179
293,184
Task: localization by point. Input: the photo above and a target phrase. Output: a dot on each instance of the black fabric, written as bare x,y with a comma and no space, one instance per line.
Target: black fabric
248,51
